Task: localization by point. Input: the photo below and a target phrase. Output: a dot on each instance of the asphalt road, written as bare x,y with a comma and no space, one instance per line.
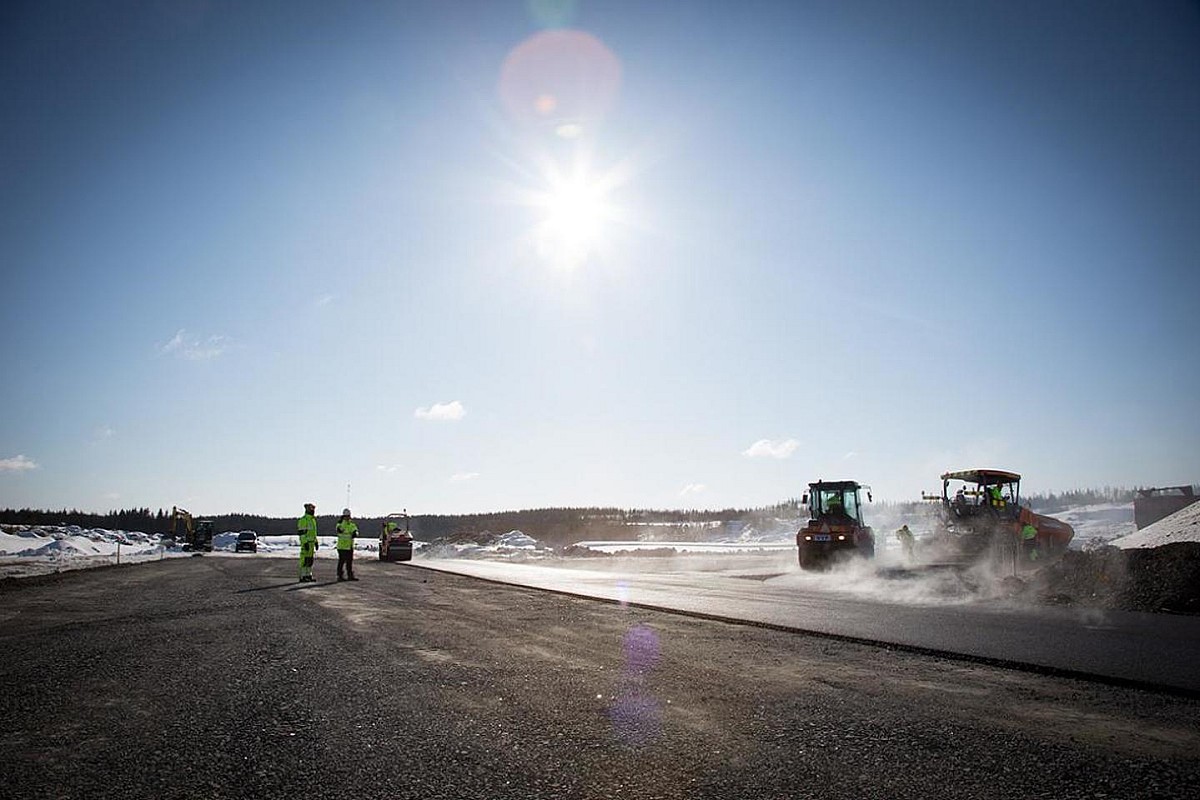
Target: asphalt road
1158,650
221,677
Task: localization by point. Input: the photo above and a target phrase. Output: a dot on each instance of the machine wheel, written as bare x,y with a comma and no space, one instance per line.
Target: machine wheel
811,562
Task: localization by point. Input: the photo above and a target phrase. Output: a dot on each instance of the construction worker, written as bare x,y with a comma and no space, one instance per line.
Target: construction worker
1029,542
306,529
834,504
346,532
907,541
997,497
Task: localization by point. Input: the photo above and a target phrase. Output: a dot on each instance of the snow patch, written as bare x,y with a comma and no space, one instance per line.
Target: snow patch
1182,526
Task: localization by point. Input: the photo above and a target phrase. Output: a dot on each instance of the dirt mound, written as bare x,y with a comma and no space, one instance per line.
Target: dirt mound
1165,578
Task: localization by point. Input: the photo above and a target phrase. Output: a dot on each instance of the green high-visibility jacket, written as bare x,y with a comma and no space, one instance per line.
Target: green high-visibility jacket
346,531
306,529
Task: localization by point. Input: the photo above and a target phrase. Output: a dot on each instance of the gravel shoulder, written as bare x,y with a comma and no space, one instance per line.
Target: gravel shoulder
221,677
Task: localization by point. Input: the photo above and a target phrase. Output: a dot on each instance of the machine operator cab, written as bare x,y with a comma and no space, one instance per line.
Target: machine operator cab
834,501
971,493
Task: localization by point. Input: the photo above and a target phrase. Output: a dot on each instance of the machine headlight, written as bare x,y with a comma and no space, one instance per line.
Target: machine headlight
841,537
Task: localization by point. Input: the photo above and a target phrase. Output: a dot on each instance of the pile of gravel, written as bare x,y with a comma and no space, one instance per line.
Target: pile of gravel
1162,579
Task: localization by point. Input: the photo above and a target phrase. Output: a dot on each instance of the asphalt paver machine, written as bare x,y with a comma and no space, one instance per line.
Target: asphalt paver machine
981,518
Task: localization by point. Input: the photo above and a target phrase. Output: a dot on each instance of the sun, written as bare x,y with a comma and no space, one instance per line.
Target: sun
577,209
575,212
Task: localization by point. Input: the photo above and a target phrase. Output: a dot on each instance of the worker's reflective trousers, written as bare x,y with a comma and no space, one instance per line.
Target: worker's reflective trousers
306,563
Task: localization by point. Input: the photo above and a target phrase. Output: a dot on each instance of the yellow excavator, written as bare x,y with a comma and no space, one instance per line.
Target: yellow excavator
197,534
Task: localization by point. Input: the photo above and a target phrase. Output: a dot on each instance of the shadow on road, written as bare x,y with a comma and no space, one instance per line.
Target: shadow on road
290,585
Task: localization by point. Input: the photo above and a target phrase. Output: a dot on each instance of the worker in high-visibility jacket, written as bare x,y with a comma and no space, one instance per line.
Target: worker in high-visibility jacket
1029,542
996,496
346,532
306,529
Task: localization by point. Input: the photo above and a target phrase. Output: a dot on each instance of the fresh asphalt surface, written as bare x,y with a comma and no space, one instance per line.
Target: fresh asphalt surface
219,676
1158,650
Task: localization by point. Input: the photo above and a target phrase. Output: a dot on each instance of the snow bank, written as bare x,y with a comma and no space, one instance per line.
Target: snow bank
511,545
1098,524
58,542
1182,526
41,549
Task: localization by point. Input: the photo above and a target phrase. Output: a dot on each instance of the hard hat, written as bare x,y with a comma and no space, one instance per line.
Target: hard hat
310,505
345,512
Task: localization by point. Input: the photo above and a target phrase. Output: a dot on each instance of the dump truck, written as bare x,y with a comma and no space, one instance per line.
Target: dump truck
980,518
835,529
395,538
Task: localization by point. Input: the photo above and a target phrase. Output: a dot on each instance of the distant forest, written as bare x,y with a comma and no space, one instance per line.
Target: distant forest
1051,502
555,526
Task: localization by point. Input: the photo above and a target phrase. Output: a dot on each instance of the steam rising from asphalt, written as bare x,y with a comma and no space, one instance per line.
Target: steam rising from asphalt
890,581
887,578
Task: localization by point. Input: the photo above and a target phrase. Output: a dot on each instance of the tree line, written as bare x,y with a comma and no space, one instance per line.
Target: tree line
1051,502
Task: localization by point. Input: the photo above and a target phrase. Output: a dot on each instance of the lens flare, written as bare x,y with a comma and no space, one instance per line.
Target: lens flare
556,79
635,713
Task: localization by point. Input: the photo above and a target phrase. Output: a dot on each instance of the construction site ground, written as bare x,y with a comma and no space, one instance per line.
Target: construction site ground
222,677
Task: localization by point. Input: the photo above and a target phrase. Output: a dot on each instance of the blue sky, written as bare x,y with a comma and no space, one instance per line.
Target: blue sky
482,256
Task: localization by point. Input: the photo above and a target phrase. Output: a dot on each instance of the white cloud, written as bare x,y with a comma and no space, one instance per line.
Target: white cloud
442,412
459,477
193,348
17,464
850,455
210,348
104,432
113,496
387,467
324,300
173,345
766,448
692,488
